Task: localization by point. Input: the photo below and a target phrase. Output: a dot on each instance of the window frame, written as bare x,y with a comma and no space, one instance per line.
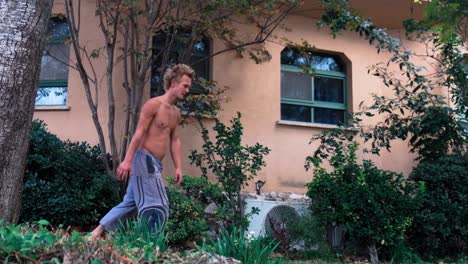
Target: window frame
315,103
55,82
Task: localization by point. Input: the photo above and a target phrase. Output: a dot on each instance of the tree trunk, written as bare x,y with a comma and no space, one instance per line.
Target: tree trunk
23,28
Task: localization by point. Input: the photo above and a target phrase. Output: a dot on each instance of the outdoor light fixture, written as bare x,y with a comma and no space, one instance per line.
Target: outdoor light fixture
258,185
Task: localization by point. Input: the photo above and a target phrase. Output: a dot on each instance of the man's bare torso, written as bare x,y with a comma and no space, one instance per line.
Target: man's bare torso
164,122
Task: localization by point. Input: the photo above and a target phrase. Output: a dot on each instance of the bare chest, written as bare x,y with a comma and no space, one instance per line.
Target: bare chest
166,118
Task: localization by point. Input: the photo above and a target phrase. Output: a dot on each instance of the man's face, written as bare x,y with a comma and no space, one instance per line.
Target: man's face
181,88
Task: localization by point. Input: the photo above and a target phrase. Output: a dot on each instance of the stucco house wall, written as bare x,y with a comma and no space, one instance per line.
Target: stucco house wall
256,92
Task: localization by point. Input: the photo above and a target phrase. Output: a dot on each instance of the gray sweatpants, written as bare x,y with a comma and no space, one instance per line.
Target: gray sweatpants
145,197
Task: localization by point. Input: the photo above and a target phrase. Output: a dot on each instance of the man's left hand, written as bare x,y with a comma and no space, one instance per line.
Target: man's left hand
178,176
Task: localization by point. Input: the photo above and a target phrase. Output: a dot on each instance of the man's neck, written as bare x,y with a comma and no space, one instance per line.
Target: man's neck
169,98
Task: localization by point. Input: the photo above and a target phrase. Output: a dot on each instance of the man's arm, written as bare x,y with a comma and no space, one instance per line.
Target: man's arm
176,152
147,114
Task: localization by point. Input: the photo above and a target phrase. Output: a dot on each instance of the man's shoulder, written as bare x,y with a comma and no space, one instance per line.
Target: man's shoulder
154,102
151,106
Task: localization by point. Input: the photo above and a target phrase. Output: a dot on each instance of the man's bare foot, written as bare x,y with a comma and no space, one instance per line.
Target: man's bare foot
97,233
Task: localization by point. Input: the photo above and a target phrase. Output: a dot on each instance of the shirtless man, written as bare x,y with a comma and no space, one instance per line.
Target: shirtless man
157,131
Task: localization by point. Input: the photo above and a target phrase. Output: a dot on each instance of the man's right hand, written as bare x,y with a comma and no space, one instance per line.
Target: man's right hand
124,170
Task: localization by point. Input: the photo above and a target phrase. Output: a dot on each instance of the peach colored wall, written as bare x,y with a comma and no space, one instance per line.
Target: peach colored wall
255,91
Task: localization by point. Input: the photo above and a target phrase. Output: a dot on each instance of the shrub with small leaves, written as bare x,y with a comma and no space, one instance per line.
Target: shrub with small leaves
65,182
440,227
186,223
375,207
233,164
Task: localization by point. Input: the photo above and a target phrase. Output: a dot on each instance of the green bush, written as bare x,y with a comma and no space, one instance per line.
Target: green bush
375,207
402,254
202,192
186,222
440,226
233,164
65,182
307,231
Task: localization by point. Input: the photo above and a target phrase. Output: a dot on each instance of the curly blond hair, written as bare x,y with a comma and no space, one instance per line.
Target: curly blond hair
176,72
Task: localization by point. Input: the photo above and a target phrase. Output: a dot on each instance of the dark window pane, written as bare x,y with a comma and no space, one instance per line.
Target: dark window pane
200,48
294,57
328,116
288,56
319,61
295,86
54,62
201,66
328,90
179,54
157,70
295,113
326,63
58,31
51,96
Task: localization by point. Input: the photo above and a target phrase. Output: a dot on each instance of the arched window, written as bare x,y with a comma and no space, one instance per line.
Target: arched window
178,52
53,80
319,97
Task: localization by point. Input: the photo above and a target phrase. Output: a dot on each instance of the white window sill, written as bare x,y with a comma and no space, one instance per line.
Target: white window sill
52,108
314,125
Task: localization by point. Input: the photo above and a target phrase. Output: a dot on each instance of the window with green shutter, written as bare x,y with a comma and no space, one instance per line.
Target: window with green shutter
317,98
53,80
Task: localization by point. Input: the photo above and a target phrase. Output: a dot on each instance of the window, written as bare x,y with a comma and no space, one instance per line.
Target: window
178,54
53,80
320,98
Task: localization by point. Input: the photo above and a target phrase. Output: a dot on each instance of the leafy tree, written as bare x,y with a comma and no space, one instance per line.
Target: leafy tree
148,37
447,16
415,112
449,20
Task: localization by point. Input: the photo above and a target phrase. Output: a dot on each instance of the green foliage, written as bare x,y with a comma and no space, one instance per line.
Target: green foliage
21,243
65,182
447,16
236,244
414,111
402,254
186,222
179,32
135,240
375,207
133,243
432,134
439,229
311,234
200,190
233,164
207,103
